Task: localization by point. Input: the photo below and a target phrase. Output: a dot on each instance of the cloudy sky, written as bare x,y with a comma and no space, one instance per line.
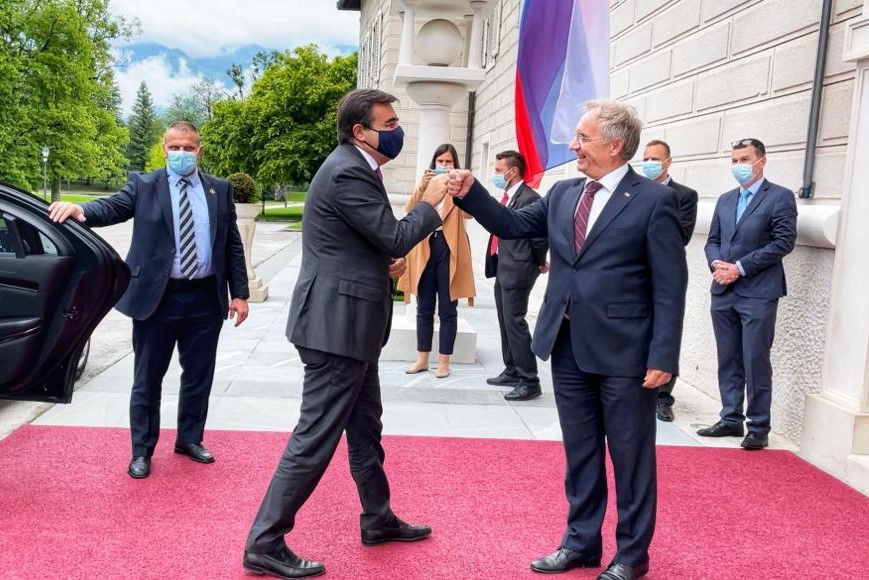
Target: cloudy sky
204,28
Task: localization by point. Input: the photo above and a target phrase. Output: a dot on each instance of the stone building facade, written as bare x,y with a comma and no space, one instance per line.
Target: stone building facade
701,73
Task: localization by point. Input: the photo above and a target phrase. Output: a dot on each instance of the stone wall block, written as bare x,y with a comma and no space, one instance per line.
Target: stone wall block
701,49
676,21
733,82
773,19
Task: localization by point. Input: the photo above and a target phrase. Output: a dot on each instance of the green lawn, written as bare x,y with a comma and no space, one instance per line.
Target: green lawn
279,212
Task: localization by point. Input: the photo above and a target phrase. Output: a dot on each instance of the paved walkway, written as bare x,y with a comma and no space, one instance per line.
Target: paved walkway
259,377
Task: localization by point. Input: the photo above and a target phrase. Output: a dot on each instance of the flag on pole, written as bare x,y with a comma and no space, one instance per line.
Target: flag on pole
563,62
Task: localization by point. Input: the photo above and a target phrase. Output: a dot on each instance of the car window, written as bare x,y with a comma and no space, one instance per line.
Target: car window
6,246
34,242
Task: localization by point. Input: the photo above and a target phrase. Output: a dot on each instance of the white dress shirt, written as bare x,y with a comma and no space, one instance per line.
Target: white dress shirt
608,183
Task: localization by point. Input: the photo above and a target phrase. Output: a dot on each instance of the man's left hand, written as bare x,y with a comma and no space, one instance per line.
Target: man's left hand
655,378
725,273
397,267
238,309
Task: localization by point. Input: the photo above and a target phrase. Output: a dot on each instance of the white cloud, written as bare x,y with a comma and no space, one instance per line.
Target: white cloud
158,75
211,27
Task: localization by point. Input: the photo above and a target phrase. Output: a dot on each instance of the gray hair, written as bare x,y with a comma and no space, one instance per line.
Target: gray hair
618,121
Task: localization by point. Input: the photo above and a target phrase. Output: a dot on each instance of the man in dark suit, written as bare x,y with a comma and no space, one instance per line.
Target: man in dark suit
656,166
612,321
515,265
185,257
753,228
339,321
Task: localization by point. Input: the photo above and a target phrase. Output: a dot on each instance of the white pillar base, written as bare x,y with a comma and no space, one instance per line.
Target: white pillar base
402,342
836,438
259,292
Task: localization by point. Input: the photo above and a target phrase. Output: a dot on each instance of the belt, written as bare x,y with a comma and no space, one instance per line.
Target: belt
194,284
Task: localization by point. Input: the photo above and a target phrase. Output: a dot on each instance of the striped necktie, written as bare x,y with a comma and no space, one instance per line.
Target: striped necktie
189,263
580,220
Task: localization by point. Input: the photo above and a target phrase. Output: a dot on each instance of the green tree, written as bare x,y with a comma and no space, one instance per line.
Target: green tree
186,107
284,129
236,75
57,90
144,130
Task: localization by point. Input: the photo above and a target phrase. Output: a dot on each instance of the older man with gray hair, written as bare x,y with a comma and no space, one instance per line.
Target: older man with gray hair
612,322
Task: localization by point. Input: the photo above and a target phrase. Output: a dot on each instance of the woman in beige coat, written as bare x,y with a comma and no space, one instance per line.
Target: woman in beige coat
439,267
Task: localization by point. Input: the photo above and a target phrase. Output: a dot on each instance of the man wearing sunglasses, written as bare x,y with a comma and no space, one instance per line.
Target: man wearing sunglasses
754,226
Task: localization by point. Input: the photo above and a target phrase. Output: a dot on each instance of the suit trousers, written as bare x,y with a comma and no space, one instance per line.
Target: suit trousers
512,306
435,283
744,331
339,394
188,315
596,411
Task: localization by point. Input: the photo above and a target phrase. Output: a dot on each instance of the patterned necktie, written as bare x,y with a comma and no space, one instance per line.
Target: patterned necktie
493,247
189,263
580,220
742,203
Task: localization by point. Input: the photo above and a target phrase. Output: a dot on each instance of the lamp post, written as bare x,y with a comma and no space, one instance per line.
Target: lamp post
45,172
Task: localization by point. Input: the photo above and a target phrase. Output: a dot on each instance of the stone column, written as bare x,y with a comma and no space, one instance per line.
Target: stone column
836,422
408,33
246,212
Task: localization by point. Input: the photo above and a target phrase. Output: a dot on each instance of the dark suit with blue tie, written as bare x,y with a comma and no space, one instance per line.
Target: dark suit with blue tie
624,293
744,312
166,307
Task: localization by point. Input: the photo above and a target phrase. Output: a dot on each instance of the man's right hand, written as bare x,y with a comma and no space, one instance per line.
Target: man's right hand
60,211
460,182
436,190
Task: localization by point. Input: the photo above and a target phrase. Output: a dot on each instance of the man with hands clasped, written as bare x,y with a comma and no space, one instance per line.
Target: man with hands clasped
754,226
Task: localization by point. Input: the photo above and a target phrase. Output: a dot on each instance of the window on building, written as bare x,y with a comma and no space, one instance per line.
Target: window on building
492,36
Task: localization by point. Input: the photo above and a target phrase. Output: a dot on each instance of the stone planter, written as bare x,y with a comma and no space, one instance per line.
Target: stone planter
246,212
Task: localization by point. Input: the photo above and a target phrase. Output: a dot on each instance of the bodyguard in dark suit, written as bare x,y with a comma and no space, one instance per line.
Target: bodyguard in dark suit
515,265
186,255
753,228
339,321
656,165
612,321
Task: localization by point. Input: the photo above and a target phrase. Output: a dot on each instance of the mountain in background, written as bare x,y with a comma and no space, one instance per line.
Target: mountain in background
213,67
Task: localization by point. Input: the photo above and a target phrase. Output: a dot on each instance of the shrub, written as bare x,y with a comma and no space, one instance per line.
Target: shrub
244,188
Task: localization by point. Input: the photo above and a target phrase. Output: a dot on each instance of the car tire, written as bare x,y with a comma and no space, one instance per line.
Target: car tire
82,360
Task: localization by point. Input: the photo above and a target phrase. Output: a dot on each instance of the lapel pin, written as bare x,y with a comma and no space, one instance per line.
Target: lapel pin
211,190
626,194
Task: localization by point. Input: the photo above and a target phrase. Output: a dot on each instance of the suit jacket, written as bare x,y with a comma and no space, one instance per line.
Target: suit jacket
766,233
687,209
152,250
625,290
342,303
517,262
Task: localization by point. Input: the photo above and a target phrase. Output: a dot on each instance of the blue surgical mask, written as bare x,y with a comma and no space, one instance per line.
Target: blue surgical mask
652,169
743,172
182,162
390,142
499,181
440,169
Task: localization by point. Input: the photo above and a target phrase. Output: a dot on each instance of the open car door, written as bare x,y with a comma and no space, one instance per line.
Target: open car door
57,281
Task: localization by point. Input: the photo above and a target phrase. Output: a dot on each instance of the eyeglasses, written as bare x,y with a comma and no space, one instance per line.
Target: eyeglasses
584,138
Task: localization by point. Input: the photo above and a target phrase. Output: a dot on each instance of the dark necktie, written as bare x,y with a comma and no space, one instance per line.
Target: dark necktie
379,174
580,220
188,239
493,247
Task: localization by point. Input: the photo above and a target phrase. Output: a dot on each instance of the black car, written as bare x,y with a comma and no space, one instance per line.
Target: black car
57,281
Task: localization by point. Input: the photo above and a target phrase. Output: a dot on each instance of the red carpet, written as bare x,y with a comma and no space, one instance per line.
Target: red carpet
68,510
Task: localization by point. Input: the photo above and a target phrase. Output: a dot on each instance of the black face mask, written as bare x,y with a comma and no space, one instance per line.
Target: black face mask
390,142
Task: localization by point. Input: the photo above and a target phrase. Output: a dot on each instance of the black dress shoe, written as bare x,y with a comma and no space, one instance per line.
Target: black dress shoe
281,564
401,532
755,441
140,467
524,391
194,451
503,380
722,429
665,413
623,572
562,560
